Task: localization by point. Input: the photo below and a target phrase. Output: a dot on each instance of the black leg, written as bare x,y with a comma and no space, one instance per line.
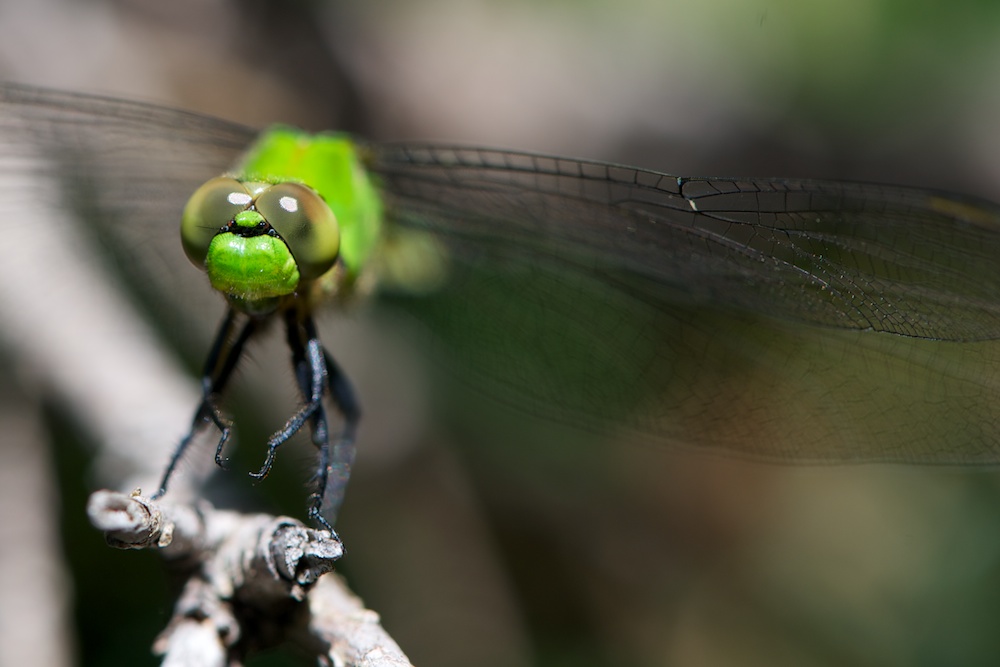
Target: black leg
232,358
316,372
213,381
320,435
335,461
310,372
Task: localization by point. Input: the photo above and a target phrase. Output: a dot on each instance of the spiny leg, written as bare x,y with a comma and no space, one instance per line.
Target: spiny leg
305,372
310,373
320,434
225,372
335,461
321,438
213,381
315,372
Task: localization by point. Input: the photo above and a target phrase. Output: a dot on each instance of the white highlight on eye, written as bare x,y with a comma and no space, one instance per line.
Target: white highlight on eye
290,204
238,198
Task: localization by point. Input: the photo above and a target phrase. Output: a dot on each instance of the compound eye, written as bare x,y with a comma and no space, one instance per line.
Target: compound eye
305,223
210,208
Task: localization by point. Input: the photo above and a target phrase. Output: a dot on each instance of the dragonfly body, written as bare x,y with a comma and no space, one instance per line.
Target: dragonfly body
295,221
780,319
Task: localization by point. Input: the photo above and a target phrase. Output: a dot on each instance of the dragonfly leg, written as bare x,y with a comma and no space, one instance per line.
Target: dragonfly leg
335,461
213,381
320,428
310,372
196,423
316,372
232,358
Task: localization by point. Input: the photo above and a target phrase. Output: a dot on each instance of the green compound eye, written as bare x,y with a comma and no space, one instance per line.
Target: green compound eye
209,209
305,223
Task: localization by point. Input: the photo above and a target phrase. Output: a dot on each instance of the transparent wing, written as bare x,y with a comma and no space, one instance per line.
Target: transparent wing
781,319
126,170
90,194
787,320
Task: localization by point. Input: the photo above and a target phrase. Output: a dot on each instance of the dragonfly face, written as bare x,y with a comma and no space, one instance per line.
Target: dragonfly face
258,241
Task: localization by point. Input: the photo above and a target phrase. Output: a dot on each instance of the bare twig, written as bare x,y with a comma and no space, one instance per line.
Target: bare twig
252,581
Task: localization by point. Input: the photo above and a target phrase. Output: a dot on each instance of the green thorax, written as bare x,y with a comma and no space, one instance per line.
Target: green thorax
329,163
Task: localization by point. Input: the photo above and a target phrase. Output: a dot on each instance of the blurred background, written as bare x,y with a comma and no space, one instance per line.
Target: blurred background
681,559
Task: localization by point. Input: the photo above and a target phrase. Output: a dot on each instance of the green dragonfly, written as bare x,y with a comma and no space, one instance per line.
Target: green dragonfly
783,320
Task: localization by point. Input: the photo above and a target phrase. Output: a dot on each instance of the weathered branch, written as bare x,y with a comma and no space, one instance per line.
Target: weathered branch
252,581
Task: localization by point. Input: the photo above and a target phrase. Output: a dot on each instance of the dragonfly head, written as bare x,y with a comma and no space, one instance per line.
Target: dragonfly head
257,241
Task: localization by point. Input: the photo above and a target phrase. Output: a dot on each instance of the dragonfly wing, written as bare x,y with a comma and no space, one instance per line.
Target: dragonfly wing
780,319
125,169
90,194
